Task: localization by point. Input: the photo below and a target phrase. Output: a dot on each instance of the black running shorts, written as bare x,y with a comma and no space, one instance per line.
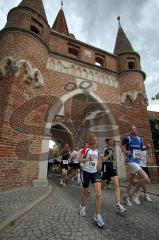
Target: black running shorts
146,170
76,166
86,177
108,171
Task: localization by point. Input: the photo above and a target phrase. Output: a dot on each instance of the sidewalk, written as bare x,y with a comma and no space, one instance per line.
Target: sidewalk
15,203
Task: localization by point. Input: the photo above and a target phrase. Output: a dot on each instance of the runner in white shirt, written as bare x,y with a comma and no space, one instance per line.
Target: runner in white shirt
90,173
76,165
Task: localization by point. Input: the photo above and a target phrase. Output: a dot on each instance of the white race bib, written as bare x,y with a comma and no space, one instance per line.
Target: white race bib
143,157
92,165
65,161
136,153
51,161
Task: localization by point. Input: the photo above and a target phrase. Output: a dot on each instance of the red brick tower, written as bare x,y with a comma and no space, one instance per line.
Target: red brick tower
133,95
23,58
60,24
131,78
29,16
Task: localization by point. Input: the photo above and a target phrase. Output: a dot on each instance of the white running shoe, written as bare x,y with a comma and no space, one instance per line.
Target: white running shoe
64,184
78,183
135,198
120,209
127,201
147,198
99,220
61,182
82,211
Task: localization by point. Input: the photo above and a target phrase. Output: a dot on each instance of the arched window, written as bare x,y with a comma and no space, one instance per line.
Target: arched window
131,63
36,26
34,29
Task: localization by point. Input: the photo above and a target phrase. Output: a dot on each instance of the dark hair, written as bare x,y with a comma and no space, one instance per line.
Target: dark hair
108,139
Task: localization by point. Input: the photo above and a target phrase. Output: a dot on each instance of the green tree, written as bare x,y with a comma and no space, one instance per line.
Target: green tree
155,132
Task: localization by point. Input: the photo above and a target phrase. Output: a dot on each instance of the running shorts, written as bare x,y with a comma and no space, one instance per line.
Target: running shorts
86,177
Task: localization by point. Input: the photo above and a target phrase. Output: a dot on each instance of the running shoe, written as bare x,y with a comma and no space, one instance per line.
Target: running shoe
61,182
147,198
64,184
82,211
99,220
78,183
135,198
120,209
127,201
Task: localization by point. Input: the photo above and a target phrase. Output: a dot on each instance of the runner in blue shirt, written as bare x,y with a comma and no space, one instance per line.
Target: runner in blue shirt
131,146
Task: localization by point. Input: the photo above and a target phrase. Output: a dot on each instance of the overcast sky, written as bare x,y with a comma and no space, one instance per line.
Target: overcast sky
94,22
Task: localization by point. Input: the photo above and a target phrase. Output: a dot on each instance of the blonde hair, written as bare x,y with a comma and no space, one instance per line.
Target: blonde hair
91,136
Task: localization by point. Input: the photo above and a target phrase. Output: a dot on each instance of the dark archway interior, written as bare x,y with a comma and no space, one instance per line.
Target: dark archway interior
60,135
82,115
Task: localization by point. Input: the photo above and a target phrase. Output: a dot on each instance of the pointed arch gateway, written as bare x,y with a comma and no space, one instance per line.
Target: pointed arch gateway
96,118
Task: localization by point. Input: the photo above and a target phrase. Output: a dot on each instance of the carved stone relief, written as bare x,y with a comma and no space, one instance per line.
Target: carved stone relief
10,65
134,97
86,73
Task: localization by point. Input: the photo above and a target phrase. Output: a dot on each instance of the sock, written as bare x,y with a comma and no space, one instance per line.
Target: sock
78,175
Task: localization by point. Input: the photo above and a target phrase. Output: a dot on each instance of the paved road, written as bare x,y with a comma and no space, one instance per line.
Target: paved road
58,218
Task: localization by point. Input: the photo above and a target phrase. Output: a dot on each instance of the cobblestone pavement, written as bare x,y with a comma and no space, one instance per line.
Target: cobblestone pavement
12,202
58,218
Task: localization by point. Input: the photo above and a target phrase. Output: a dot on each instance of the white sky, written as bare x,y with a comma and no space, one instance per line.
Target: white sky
94,22
51,144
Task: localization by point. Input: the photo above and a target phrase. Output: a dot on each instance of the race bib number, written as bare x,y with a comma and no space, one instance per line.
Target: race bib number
136,153
143,156
92,165
50,160
65,161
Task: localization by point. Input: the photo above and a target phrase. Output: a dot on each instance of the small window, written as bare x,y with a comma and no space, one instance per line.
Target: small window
73,51
36,26
131,65
99,61
35,29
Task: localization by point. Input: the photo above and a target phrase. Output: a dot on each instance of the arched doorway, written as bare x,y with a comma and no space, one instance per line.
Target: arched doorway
69,124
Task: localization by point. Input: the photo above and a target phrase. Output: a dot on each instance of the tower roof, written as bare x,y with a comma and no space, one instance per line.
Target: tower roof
36,5
60,24
122,42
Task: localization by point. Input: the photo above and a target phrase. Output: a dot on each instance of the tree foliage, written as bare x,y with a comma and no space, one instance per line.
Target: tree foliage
155,132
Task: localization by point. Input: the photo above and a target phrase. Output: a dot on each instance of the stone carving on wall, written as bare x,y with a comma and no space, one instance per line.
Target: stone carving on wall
32,75
85,73
134,97
8,66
